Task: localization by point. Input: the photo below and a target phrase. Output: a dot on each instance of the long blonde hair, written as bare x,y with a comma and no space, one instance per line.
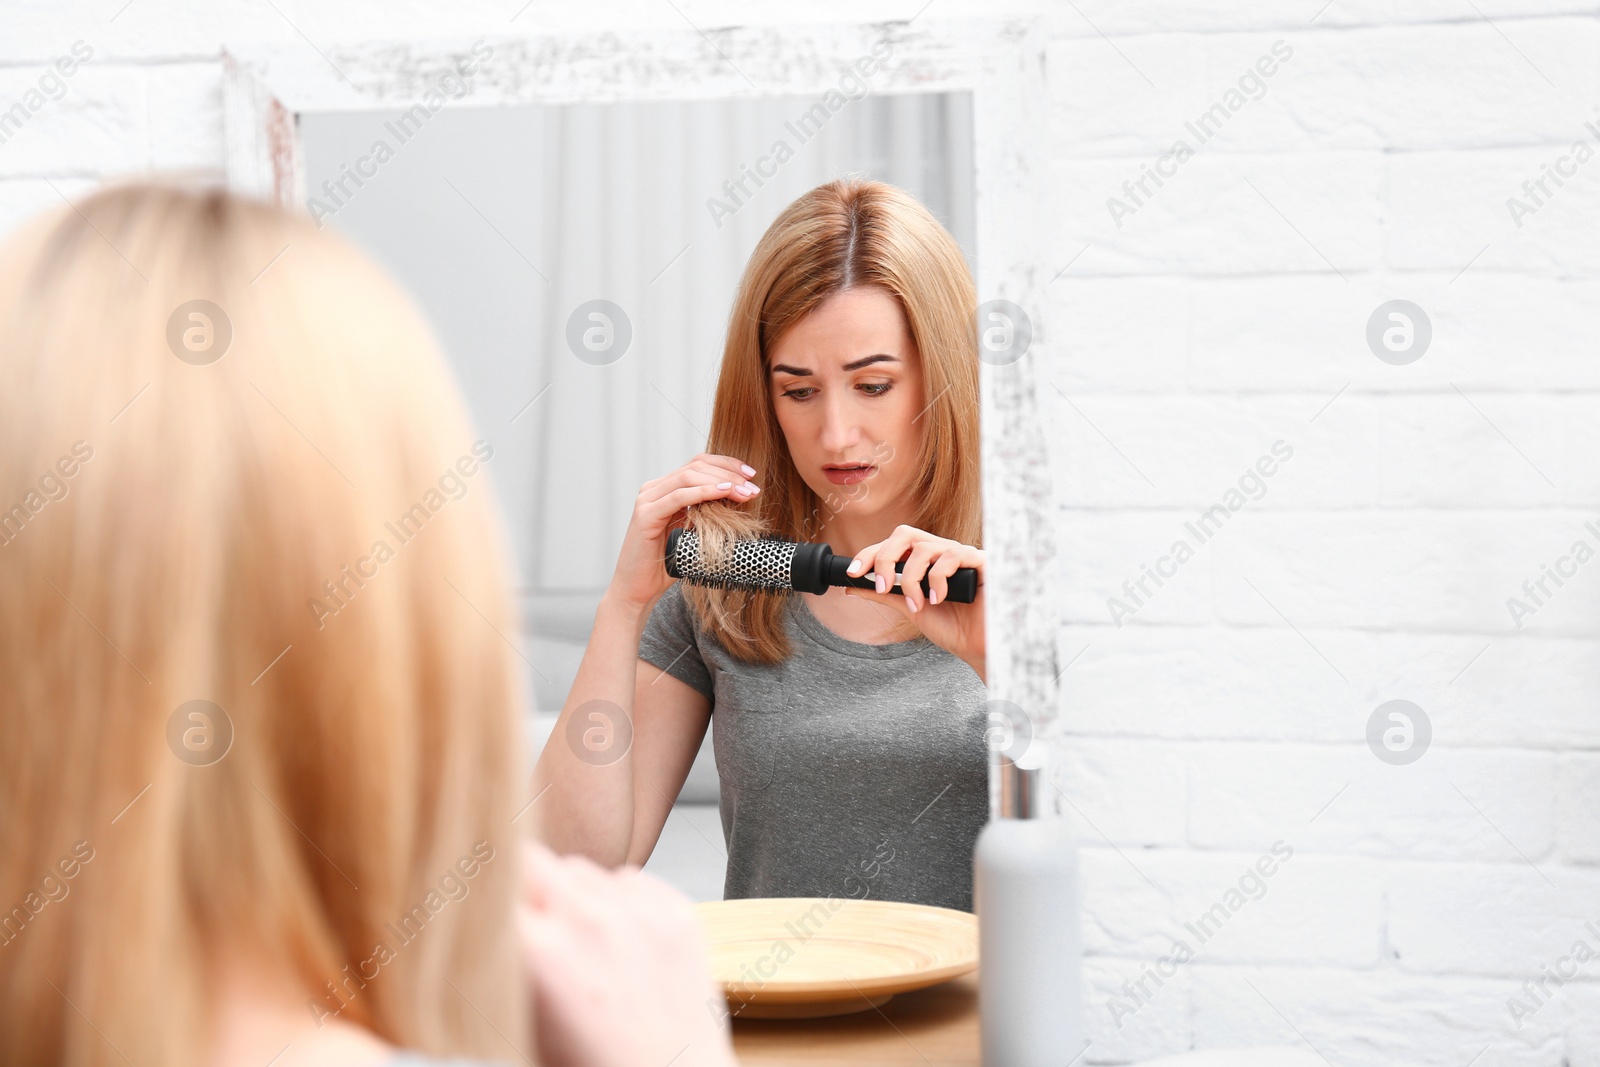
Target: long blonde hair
200,520
844,234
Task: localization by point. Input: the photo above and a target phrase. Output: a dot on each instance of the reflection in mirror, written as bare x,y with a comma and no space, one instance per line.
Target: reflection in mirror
579,263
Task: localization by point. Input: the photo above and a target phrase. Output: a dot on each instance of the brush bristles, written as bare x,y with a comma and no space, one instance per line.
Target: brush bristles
762,564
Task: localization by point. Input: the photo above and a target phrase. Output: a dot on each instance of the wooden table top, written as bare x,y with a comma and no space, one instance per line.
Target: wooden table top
932,1027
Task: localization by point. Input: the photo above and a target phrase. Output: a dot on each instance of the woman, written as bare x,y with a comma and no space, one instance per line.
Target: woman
260,776
849,726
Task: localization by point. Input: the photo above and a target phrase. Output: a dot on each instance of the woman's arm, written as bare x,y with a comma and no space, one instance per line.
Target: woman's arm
621,743
669,725
583,781
606,783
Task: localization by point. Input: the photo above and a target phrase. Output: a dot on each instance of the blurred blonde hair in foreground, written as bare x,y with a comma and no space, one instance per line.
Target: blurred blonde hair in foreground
300,533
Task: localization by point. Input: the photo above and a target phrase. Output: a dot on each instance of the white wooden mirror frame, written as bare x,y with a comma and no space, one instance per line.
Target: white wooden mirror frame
1002,63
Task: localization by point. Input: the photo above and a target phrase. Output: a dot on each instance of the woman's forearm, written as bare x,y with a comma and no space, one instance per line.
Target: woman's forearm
587,801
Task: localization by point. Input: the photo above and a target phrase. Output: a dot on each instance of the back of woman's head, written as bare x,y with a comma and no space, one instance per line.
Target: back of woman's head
255,705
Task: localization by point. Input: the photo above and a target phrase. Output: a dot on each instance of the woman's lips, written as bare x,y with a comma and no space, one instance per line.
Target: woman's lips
847,476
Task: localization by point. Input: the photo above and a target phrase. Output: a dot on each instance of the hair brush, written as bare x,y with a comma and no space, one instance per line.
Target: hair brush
773,563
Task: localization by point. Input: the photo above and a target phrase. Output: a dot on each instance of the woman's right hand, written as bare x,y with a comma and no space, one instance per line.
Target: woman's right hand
617,968
641,574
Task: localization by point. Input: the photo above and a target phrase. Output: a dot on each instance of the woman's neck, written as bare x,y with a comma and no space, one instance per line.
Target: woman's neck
263,1020
847,534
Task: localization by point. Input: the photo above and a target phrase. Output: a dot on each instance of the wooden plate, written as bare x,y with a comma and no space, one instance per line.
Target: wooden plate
805,957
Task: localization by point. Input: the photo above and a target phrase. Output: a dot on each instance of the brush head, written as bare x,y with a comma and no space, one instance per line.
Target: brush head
766,563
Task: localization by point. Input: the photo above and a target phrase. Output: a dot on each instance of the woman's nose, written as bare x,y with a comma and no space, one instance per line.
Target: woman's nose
840,427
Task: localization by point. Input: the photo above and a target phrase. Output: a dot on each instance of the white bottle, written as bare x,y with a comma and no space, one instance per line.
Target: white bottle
1025,893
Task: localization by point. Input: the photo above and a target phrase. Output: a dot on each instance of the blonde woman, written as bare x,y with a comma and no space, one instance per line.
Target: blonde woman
848,729
260,773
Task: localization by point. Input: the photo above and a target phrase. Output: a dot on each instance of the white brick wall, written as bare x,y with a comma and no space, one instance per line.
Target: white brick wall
1228,312
1225,314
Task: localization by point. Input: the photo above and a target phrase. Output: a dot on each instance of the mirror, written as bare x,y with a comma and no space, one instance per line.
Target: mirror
578,262
564,85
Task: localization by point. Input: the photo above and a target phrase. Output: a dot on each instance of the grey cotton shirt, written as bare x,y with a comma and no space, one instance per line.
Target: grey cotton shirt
849,770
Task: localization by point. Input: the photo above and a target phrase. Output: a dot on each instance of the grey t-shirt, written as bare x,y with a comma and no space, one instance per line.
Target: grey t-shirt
849,770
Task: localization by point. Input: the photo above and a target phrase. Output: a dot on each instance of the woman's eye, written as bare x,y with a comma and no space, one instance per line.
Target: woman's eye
871,389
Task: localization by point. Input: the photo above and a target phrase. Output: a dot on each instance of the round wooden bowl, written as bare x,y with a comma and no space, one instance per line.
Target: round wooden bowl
807,957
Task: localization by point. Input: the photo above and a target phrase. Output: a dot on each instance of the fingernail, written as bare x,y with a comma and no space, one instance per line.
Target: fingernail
749,471
855,565
933,596
912,604
878,578
724,485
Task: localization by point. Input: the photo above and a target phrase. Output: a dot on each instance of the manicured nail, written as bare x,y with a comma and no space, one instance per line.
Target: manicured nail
912,604
749,471
855,565
724,485
933,596
878,578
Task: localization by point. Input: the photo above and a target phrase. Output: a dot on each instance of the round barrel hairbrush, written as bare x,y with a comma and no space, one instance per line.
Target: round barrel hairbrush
773,563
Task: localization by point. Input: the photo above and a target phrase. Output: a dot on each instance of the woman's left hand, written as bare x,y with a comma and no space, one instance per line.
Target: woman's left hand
956,628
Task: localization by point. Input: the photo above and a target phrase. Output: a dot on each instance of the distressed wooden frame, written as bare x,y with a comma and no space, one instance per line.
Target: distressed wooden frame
1001,61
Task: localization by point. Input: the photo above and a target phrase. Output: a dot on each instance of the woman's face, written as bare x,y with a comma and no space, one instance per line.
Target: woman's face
846,383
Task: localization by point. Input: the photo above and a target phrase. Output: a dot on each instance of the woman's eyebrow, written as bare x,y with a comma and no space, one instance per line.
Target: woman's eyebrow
879,357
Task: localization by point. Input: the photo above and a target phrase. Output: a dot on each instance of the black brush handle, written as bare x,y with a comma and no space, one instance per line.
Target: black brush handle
961,587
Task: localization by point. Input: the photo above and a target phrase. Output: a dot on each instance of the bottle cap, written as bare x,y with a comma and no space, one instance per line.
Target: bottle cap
1021,790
